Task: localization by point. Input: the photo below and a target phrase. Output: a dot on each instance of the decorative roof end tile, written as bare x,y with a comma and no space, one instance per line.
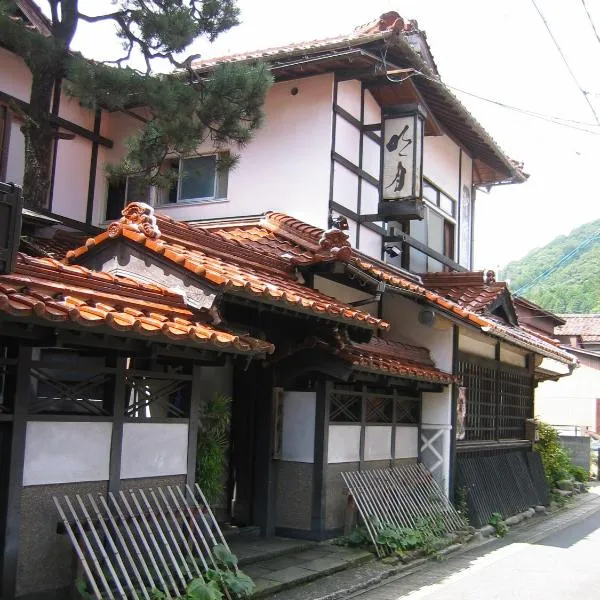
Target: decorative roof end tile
137,216
336,242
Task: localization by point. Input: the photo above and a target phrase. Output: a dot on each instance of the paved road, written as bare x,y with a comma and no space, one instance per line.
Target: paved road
551,560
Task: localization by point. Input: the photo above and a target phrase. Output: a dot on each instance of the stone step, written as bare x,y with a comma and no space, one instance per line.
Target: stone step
274,575
250,548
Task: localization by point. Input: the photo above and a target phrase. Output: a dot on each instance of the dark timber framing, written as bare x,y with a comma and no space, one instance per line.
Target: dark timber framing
93,169
319,490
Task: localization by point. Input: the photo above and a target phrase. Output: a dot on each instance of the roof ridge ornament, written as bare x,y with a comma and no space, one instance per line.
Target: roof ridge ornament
336,242
137,216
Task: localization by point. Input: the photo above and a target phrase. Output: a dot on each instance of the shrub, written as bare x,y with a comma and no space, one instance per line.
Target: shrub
579,474
556,460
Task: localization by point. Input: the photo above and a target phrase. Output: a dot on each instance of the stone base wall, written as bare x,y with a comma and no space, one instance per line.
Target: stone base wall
294,495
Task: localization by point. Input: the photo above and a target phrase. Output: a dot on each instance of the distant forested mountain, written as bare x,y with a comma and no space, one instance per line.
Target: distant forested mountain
566,272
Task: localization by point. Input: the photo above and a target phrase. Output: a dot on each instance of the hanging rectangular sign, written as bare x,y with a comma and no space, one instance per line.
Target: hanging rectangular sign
403,157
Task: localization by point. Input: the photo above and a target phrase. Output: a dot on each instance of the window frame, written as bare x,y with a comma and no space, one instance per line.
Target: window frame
221,183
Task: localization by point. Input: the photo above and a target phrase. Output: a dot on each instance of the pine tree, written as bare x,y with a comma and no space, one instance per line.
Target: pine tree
181,110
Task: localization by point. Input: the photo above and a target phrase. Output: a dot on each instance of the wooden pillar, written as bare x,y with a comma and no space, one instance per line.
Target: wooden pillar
194,424
118,412
13,464
265,481
319,487
453,415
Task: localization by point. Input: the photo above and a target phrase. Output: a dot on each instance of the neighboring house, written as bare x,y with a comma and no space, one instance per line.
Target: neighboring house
574,402
376,344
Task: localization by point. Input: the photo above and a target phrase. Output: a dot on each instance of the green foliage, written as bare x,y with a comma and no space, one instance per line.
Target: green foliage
498,524
178,111
579,474
224,556
556,460
574,287
213,445
461,504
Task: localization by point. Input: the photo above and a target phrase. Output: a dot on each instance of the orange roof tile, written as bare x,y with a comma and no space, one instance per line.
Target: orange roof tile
394,358
53,291
228,264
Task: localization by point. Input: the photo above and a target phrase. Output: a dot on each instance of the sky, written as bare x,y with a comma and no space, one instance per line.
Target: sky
498,50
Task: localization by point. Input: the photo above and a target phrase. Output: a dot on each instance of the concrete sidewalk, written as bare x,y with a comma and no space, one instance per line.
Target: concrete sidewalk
375,574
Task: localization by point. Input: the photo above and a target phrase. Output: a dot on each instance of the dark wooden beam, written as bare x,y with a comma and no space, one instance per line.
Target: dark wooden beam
338,110
350,214
417,245
319,490
93,168
60,122
118,412
13,465
194,424
338,158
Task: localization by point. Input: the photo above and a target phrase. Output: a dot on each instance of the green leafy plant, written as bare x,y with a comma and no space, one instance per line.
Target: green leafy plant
498,524
461,504
213,445
556,460
579,474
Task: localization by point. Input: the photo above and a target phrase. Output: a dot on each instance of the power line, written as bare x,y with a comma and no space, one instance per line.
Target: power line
587,12
564,58
569,123
557,264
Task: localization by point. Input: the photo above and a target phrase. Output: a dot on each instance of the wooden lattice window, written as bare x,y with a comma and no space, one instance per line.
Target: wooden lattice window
408,411
499,399
345,407
380,409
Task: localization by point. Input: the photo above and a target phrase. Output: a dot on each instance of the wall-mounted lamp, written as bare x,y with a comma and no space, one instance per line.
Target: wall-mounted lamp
393,251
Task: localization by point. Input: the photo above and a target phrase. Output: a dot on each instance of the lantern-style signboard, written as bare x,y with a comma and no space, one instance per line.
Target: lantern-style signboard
403,155
11,207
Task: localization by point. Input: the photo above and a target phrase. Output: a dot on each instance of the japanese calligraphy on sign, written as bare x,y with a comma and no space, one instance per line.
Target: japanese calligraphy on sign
402,153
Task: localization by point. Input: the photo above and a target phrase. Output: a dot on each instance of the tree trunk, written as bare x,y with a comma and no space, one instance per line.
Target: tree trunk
39,139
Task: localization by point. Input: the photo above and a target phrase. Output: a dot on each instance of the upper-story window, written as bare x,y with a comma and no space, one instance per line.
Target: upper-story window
437,230
197,179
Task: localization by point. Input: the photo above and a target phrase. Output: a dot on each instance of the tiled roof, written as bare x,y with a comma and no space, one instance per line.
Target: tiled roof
397,35
468,289
54,247
238,268
394,358
55,292
467,298
584,325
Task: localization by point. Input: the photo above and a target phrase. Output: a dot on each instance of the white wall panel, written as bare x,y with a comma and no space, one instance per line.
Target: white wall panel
441,163
345,187
347,139
15,165
378,442
476,344
372,109
369,198
58,452
370,242
512,356
298,436
371,156
348,96
407,441
154,449
344,443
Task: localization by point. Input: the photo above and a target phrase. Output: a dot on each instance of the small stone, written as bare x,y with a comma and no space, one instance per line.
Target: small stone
540,509
514,520
487,530
565,484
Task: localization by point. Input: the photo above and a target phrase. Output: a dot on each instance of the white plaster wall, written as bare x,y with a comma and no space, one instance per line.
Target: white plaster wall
347,139
154,449
371,156
58,452
344,293
15,78
378,442
71,110
369,199
465,217
512,356
571,400
474,343
348,96
407,441
344,443
403,315
441,163
16,154
370,242
345,187
71,178
298,436
286,167
372,109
